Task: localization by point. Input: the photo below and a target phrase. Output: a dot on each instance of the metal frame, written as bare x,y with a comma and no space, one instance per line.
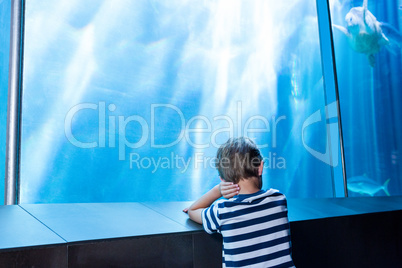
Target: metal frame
14,103
331,89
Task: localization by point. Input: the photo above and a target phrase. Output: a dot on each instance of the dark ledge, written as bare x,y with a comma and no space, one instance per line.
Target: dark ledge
332,232
30,225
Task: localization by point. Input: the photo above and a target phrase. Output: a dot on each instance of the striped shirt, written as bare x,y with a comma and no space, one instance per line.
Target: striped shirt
254,227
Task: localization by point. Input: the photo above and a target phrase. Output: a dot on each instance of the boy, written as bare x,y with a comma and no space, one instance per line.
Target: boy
253,222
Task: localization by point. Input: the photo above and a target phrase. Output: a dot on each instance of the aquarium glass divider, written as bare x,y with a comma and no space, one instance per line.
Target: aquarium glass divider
14,103
334,131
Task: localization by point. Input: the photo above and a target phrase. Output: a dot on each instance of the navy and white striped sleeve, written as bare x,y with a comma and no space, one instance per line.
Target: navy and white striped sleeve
210,219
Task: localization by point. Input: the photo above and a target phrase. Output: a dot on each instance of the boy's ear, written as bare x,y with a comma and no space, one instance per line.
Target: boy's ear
222,180
260,168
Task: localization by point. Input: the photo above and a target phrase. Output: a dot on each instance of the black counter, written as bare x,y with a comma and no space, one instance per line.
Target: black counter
331,232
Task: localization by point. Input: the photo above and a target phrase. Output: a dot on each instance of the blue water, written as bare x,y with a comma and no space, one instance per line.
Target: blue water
129,101
370,104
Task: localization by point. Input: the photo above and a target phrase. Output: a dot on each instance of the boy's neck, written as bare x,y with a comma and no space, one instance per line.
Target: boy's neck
248,186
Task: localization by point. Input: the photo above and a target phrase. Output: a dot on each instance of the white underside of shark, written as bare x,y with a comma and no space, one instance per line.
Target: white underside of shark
365,33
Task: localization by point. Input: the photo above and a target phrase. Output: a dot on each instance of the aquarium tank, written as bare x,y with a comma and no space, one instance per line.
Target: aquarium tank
128,101
369,68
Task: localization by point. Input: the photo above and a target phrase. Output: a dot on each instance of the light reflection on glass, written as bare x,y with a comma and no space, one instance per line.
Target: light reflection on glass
212,67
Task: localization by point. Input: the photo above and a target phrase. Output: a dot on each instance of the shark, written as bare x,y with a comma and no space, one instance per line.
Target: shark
365,33
365,185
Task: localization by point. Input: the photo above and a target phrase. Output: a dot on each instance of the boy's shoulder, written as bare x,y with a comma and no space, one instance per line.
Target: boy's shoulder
262,194
251,198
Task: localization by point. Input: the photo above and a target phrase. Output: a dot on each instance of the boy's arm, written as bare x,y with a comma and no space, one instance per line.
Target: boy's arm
227,190
204,201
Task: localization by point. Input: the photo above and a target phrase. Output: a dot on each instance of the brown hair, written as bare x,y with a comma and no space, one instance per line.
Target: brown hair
238,158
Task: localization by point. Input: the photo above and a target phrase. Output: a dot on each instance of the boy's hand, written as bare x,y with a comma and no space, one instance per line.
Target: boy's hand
225,189
228,189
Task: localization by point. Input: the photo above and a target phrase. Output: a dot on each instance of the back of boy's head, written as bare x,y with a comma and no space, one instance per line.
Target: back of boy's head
238,158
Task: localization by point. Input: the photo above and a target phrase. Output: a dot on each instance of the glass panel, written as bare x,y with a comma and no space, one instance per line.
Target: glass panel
5,13
129,101
368,60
